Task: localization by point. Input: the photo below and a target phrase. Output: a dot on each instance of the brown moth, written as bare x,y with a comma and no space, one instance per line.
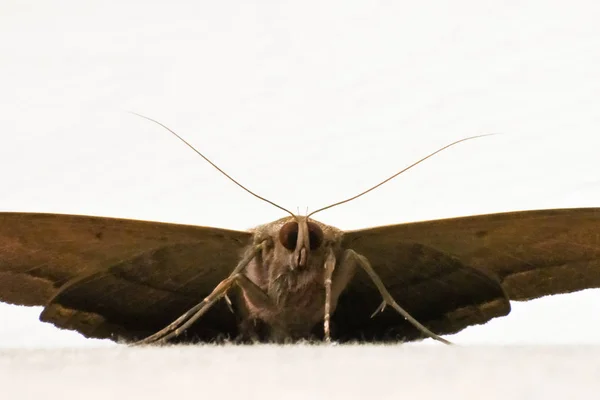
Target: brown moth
294,278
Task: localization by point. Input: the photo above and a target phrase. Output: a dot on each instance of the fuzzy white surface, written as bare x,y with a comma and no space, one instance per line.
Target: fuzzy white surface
300,372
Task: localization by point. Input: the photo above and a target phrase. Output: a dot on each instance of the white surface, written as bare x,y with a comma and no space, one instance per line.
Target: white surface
306,103
301,372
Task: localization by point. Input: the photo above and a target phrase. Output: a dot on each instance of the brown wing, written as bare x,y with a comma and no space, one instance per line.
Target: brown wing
115,278
530,253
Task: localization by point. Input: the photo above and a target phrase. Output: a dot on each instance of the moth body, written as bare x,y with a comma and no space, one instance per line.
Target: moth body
290,271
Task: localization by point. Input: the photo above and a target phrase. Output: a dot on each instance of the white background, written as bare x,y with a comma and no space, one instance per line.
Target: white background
306,103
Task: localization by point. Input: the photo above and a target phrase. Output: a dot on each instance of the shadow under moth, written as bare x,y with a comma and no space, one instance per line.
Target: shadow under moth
292,279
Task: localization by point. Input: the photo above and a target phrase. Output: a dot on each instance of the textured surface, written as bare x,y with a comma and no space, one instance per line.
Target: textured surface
302,372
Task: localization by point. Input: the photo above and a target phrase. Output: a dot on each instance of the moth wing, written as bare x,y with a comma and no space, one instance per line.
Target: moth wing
529,253
115,278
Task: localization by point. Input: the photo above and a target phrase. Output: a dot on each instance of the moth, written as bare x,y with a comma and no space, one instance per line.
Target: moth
292,279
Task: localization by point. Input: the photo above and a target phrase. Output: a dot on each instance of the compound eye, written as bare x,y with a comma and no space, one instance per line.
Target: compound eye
315,235
288,235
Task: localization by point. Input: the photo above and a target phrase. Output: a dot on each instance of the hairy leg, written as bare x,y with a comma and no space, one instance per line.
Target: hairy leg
189,317
345,272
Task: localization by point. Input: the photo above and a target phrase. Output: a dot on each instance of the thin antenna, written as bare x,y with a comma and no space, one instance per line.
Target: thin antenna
398,173
213,164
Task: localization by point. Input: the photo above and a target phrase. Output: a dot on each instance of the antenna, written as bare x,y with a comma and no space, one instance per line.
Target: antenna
398,173
213,164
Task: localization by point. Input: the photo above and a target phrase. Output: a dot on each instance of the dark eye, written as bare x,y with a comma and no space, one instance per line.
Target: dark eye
288,235
315,235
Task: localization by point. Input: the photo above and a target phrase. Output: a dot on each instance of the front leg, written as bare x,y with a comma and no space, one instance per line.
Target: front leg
345,272
250,290
255,293
329,268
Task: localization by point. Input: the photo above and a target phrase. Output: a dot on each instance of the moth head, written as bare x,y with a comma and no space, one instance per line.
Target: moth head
295,244
300,237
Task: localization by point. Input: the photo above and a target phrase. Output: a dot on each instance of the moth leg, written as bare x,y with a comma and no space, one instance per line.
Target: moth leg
379,309
254,292
229,304
189,317
249,288
329,267
351,258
